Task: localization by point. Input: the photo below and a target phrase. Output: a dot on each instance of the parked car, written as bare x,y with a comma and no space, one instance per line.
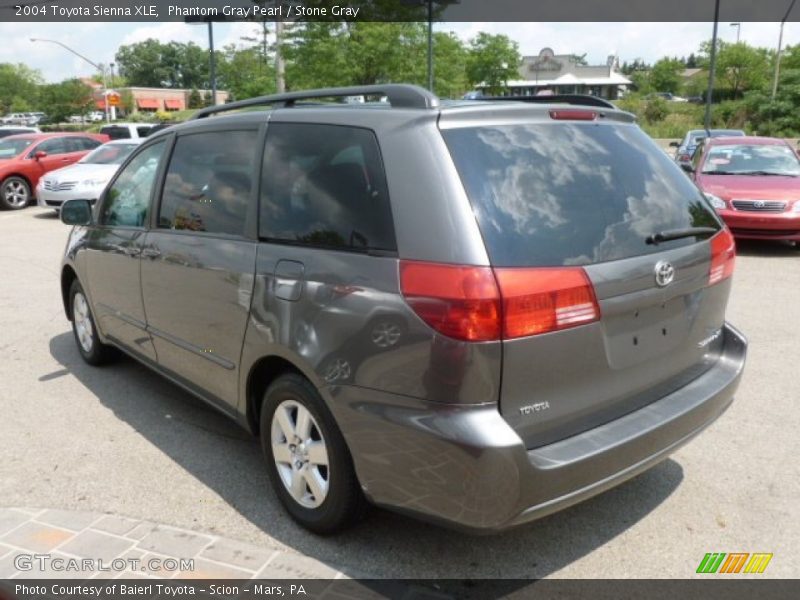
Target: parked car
356,302
25,158
668,96
754,185
7,130
86,178
19,119
684,150
96,116
126,131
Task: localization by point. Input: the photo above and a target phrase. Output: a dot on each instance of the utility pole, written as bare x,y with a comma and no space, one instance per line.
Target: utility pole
280,66
712,69
778,55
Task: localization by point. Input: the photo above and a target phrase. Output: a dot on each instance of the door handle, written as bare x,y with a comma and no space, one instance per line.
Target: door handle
150,253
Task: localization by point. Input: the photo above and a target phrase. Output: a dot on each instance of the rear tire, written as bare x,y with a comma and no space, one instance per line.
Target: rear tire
15,193
92,350
308,461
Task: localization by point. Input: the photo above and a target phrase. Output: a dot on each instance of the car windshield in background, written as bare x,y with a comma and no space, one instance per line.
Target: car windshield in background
700,135
112,154
11,148
752,159
552,194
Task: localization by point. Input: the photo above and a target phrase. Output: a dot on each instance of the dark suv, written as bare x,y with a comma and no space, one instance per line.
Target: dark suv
478,313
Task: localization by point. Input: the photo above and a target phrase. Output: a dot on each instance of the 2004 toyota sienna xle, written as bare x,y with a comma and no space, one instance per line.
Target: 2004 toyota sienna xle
478,313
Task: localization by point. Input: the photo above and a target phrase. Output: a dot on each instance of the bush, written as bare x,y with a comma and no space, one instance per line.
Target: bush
655,109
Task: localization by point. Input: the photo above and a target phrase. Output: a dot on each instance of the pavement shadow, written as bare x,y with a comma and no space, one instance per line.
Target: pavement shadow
228,460
777,248
47,215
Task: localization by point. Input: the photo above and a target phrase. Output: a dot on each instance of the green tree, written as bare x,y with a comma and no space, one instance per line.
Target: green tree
173,65
243,72
492,61
195,99
70,97
450,65
665,76
19,87
740,67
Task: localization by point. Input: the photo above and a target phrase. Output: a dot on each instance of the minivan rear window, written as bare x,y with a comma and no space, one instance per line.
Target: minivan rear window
553,194
116,133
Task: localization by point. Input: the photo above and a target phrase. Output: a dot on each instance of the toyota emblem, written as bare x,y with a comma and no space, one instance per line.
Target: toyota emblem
665,273
759,204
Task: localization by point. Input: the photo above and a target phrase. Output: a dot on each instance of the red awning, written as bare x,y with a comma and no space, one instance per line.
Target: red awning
147,103
173,104
100,104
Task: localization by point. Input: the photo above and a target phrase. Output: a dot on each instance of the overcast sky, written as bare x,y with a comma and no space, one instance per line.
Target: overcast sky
648,41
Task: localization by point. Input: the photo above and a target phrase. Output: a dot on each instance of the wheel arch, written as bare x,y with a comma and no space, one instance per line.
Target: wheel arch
68,275
263,372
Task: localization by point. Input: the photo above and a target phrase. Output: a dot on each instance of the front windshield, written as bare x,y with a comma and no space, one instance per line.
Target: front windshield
10,148
746,159
109,154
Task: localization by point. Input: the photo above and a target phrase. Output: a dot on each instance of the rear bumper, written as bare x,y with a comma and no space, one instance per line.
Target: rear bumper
762,226
466,468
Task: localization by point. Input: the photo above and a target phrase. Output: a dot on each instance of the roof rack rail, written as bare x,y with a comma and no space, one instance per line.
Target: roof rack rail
578,99
400,95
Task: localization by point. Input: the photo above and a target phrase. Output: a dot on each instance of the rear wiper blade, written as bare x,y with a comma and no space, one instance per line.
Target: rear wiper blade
719,173
676,234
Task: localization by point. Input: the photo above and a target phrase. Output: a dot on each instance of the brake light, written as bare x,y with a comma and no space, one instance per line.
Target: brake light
573,115
723,256
457,301
545,299
480,304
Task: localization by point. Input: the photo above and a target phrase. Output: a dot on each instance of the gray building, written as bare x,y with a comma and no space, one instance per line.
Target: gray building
561,74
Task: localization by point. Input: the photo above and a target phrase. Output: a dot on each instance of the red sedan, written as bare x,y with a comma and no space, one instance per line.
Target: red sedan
753,183
25,158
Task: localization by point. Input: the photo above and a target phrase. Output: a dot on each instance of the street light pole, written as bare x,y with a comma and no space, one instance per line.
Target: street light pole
778,55
738,30
99,67
712,69
212,64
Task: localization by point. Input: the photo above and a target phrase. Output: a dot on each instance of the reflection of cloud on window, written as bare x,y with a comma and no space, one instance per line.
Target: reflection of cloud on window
537,165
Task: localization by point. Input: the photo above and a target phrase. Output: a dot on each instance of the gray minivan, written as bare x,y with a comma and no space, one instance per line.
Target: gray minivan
478,313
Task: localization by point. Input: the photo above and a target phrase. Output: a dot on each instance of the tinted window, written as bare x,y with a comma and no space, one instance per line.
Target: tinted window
116,133
128,199
53,146
324,185
208,182
552,194
143,131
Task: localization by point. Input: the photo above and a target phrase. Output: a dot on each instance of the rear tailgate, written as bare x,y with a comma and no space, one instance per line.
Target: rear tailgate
585,194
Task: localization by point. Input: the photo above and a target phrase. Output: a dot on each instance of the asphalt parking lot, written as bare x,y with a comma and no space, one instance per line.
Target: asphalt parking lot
121,440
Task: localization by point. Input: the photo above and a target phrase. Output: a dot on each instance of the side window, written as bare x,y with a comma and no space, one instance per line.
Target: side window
87,143
208,182
143,131
53,146
115,132
324,185
128,199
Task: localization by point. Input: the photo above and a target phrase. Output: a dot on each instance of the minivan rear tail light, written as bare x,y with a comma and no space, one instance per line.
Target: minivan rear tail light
723,256
480,304
460,302
541,300
573,115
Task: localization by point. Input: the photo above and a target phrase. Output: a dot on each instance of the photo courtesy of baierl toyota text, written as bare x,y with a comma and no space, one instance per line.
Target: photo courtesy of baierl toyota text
394,299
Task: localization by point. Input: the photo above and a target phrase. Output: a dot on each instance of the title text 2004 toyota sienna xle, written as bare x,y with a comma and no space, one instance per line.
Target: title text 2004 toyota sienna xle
477,313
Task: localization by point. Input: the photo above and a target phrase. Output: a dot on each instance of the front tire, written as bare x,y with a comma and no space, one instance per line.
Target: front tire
92,350
15,193
307,458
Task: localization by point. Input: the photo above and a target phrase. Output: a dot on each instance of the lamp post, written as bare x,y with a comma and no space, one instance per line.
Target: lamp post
99,67
738,30
212,61
778,55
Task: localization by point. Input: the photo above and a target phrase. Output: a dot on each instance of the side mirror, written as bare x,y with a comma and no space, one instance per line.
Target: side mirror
688,167
674,144
76,212
39,154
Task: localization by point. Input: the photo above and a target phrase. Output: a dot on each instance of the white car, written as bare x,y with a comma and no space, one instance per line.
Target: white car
86,178
121,131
